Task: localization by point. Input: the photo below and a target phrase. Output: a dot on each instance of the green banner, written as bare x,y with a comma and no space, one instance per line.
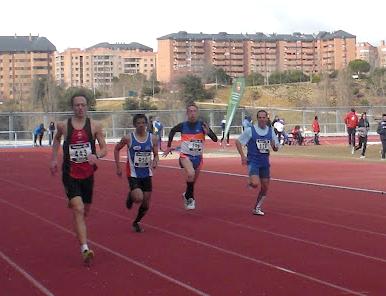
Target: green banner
234,101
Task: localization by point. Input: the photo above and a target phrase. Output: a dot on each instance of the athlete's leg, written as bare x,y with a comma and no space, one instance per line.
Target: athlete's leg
263,192
364,145
146,188
136,195
142,210
190,173
383,149
78,211
254,181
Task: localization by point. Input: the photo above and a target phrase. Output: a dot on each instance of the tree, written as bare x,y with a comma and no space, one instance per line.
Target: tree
377,81
213,74
43,93
192,88
150,87
64,102
344,89
138,104
290,76
359,67
126,82
254,79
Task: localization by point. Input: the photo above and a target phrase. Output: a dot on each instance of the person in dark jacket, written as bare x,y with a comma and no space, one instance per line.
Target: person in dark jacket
51,129
363,129
381,130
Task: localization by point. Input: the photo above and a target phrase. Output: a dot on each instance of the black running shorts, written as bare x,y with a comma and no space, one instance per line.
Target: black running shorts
79,187
144,184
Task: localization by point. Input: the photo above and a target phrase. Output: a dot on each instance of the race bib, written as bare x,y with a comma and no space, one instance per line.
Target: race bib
195,146
142,159
263,146
79,152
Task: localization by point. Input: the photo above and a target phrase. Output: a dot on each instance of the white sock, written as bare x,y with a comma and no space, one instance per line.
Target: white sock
260,202
83,247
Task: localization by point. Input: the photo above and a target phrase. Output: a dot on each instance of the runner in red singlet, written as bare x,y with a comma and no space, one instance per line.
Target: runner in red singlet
79,164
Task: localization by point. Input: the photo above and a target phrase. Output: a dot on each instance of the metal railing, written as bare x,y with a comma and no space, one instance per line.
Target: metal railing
18,126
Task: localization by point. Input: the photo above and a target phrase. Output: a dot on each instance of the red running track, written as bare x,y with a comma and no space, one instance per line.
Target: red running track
312,241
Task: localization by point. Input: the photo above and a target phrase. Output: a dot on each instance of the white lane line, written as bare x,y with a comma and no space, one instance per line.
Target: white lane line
242,256
245,257
289,181
28,276
252,228
107,249
305,241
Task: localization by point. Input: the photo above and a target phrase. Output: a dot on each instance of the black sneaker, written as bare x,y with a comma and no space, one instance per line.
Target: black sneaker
129,201
137,227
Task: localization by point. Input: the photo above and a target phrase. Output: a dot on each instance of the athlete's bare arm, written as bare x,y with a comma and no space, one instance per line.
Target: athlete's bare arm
60,128
274,147
155,151
241,152
125,141
100,137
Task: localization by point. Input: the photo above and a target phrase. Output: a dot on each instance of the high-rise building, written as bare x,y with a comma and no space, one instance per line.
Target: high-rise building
368,53
95,67
382,54
23,59
239,54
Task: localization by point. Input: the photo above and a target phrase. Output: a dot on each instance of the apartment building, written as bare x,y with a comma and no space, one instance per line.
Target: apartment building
23,59
335,50
96,66
367,52
381,62
239,54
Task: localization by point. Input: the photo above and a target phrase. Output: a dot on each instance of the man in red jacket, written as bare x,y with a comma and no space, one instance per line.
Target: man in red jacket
351,121
316,130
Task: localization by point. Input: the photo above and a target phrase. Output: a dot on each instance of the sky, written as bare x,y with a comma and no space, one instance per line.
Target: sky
81,24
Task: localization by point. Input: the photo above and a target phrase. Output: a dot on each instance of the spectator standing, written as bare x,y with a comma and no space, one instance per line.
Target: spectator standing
363,128
351,121
150,125
316,130
278,127
247,122
51,130
223,123
158,130
381,130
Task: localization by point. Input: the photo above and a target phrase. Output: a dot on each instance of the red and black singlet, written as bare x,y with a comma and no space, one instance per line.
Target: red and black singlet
78,145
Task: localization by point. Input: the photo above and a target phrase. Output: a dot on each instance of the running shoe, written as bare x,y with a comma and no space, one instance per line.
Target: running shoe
362,156
191,204
185,200
87,255
257,211
352,150
129,201
137,227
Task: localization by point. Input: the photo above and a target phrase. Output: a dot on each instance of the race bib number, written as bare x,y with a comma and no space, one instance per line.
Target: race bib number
263,146
142,159
195,146
79,152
